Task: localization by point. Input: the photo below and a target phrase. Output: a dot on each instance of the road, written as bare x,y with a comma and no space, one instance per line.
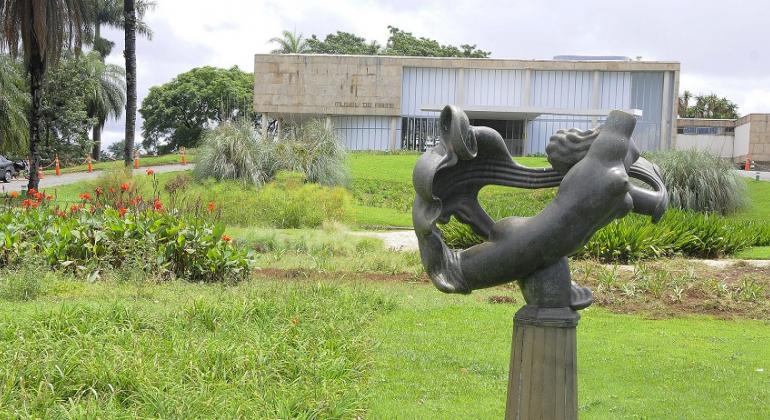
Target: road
53,181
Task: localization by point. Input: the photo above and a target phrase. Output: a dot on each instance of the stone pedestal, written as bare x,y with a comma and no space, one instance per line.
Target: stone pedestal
542,381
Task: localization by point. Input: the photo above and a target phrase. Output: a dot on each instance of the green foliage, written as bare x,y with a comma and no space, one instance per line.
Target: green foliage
634,238
707,106
290,43
342,43
178,112
404,43
289,202
14,103
699,181
87,239
141,350
234,150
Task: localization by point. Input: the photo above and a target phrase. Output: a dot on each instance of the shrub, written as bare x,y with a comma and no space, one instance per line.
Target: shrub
634,238
700,181
234,150
96,234
289,202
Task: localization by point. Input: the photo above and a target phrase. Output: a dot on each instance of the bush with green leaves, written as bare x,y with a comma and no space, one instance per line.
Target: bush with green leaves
90,237
699,181
633,238
234,150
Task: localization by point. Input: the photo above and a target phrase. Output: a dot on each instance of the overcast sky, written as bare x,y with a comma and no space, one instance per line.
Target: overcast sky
723,47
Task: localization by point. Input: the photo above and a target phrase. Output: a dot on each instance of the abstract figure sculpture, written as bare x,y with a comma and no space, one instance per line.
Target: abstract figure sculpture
592,169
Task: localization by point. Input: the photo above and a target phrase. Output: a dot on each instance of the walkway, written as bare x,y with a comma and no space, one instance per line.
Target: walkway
53,180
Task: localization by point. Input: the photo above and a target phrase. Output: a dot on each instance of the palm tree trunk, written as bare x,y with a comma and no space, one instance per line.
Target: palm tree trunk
129,16
36,69
97,136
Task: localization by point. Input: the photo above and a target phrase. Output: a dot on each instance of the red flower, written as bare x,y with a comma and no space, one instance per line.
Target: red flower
212,206
38,196
134,201
14,194
27,203
75,208
150,172
226,238
61,213
31,192
125,186
48,197
99,191
122,211
85,196
112,190
157,205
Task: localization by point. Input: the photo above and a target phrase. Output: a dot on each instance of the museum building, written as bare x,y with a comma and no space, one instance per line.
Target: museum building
393,103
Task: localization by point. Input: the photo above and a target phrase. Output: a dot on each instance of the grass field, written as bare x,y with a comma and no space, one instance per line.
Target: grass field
333,345
169,159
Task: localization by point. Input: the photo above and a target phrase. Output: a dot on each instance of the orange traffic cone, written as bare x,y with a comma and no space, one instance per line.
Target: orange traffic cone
58,168
182,156
136,160
747,165
90,165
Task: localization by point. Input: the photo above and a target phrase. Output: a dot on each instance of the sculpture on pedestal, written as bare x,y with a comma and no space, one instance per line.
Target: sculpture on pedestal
592,170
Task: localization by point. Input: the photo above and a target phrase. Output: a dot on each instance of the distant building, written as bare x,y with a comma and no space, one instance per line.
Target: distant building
739,139
393,103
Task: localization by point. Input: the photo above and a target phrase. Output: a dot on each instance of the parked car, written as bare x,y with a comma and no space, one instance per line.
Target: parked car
10,169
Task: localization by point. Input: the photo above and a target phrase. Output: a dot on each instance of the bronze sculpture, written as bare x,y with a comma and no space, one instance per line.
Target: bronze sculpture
592,170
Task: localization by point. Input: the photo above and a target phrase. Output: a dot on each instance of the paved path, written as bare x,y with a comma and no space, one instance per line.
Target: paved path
64,179
763,176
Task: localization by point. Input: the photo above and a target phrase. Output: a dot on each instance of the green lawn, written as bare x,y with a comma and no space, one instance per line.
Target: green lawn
337,346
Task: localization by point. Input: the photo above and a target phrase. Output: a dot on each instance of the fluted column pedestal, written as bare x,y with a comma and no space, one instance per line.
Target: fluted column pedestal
542,381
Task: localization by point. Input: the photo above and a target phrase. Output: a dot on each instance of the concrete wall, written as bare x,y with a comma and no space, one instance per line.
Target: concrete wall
718,145
742,140
759,136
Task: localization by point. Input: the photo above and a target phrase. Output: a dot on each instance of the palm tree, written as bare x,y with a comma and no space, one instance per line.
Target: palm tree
290,43
108,96
129,28
684,104
14,101
42,28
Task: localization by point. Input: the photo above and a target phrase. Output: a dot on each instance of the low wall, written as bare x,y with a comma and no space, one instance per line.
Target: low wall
718,145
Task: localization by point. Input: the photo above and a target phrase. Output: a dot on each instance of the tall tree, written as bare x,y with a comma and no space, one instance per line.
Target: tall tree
42,28
14,102
290,43
106,98
129,25
707,106
684,104
404,43
110,13
176,113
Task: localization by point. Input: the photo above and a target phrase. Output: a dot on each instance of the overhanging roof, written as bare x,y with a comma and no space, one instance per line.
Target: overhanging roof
526,112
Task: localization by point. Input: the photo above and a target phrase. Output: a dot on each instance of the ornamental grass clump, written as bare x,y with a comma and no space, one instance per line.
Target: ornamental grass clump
233,150
701,182
315,150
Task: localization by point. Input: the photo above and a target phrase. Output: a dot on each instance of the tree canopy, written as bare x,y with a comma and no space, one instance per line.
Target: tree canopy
14,101
176,113
706,106
399,43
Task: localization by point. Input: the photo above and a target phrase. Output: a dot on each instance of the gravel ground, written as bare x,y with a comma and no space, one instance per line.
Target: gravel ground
398,240
53,180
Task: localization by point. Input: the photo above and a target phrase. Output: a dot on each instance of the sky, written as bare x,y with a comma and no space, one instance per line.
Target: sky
722,46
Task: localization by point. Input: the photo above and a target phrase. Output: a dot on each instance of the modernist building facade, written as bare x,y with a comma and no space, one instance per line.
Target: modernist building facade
392,103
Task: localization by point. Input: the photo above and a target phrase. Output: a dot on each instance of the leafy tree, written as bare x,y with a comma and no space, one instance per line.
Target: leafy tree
14,101
404,43
290,43
176,113
42,28
65,117
116,150
106,97
707,106
110,13
343,43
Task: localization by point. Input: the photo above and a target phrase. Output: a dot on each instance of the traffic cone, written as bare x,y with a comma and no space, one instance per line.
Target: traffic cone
182,156
747,165
136,160
58,168
90,165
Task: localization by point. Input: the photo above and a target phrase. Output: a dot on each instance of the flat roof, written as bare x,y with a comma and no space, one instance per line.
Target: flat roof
464,62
